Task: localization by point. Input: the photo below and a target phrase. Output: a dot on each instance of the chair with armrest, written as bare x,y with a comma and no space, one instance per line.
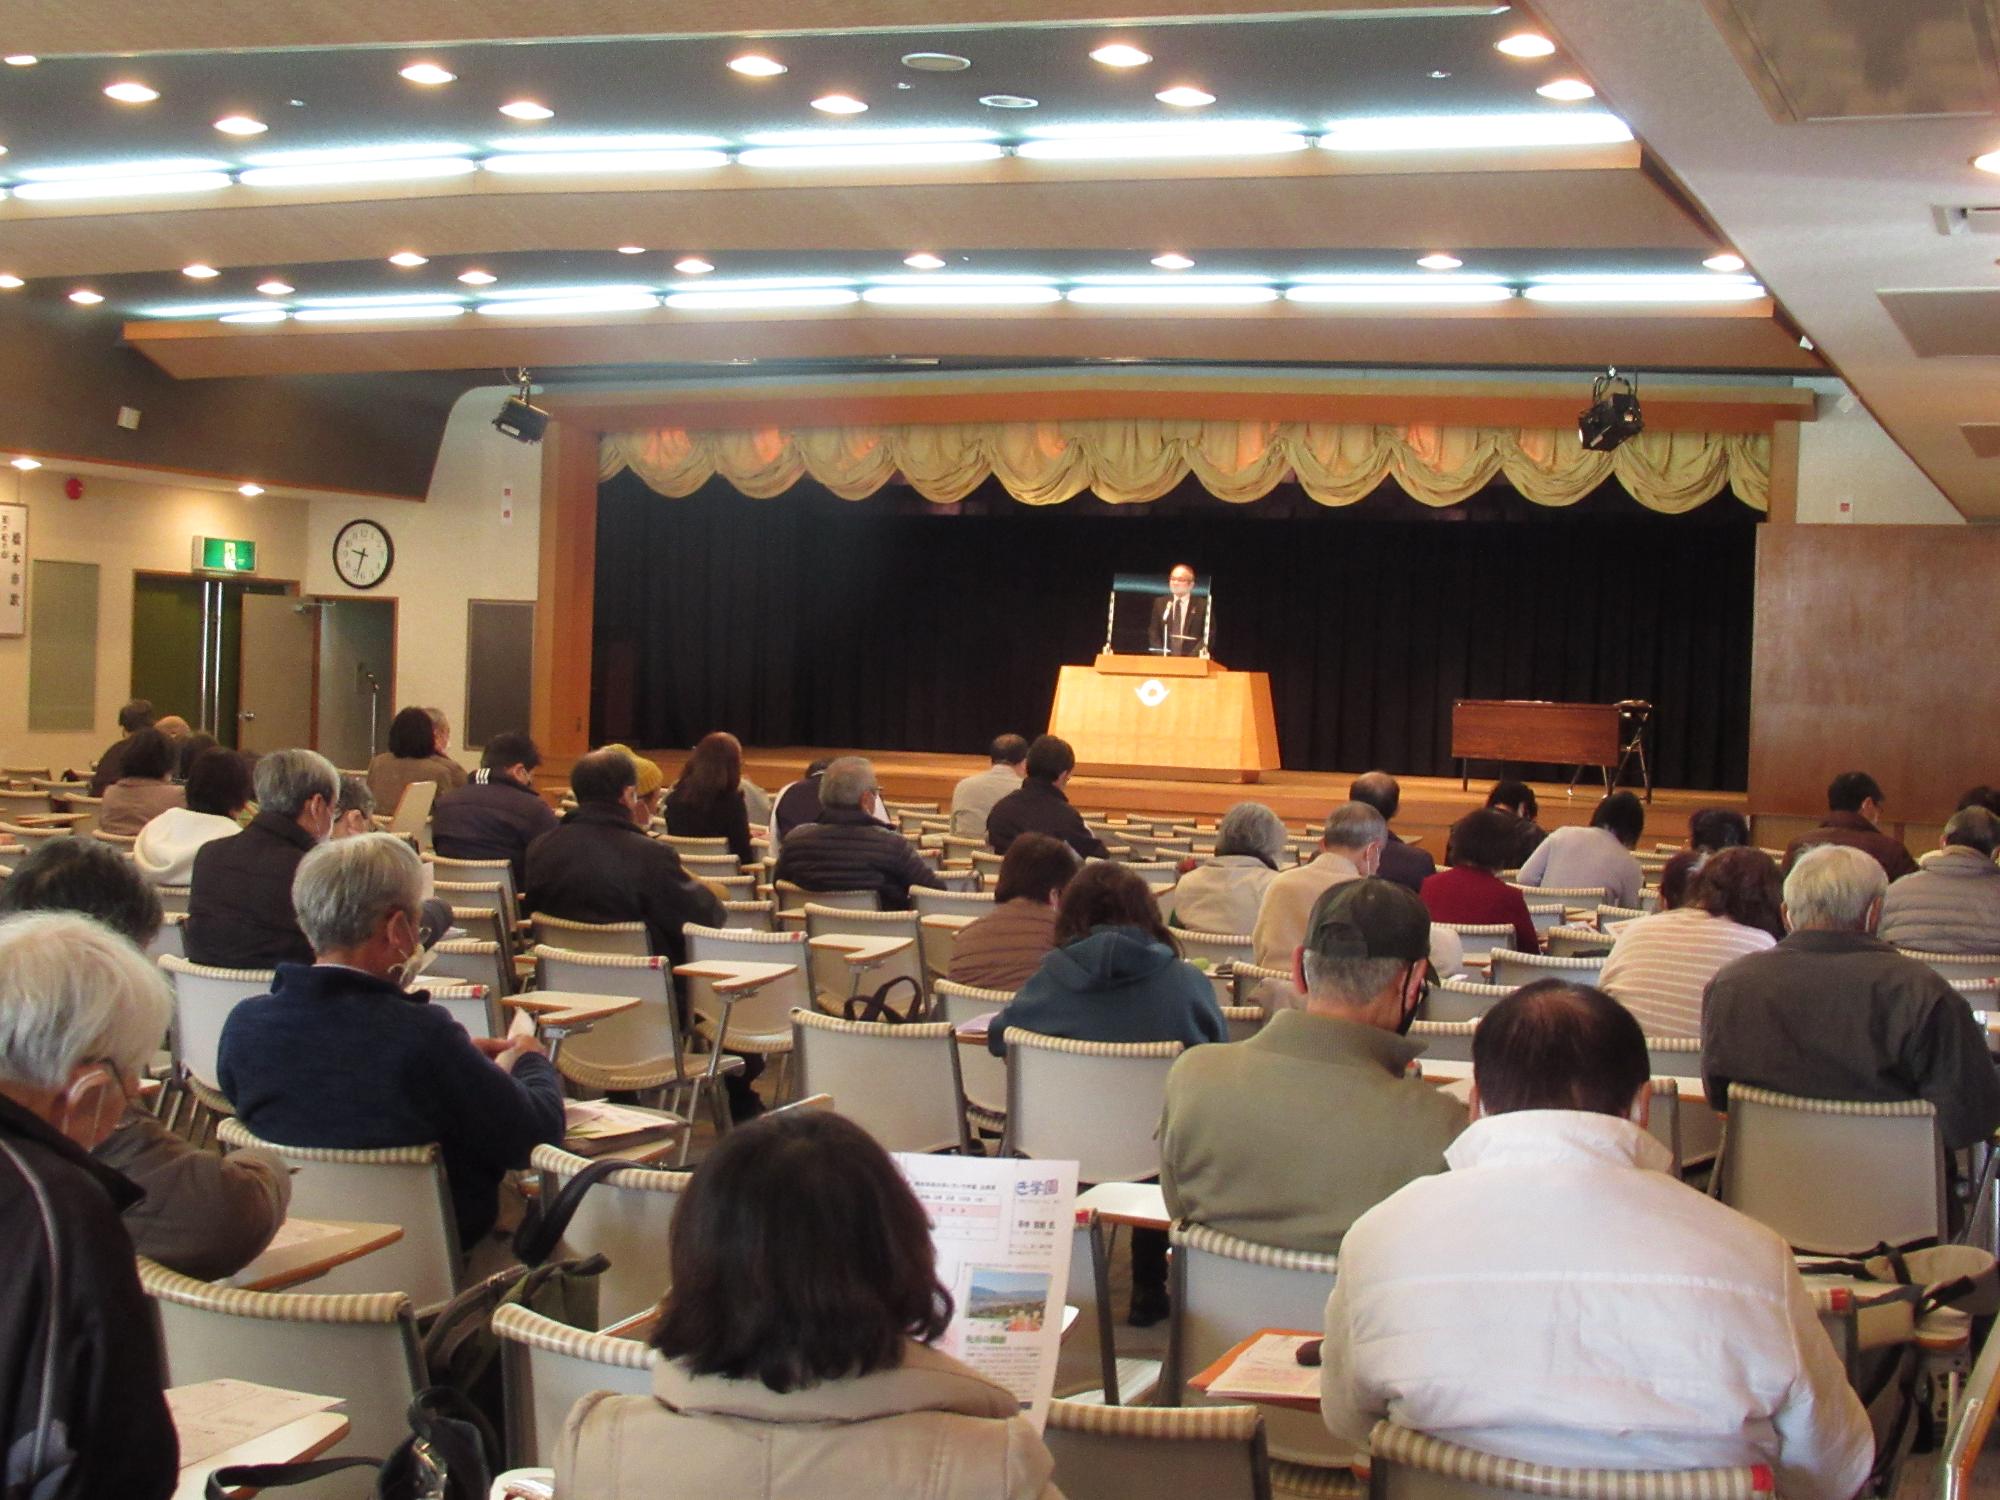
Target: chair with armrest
1408,1465
627,1217
835,979
1512,970
1477,940
546,1367
1462,1000
753,1015
589,937
982,1076
1111,1452
899,1083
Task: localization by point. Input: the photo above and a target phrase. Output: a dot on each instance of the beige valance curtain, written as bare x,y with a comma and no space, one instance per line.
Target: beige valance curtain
1131,461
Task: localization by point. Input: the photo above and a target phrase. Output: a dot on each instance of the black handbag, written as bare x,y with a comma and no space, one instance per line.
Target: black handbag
449,1455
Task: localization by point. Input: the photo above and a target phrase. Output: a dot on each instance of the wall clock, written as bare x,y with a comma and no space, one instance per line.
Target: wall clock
363,554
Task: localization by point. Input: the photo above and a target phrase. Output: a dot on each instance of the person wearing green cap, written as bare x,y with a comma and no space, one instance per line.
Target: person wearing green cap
1287,1138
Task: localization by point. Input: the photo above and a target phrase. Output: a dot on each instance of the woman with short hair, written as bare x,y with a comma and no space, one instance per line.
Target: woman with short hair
144,788
1471,892
416,753
1223,892
1598,857
796,1346
217,791
1003,949
1660,965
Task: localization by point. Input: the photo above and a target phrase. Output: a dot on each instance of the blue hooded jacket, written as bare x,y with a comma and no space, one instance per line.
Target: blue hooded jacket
1116,985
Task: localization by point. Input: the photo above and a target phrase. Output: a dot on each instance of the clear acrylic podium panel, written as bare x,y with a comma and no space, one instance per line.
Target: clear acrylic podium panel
1129,612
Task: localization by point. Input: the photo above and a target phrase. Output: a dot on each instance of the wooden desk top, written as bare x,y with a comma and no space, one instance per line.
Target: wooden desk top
947,921
1140,1204
305,1248
734,976
295,1442
973,1033
861,952
568,1008
1215,1371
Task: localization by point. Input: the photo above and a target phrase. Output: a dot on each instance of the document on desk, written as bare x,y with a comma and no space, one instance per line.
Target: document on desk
295,1232
1002,1228
1269,1370
594,1120
217,1415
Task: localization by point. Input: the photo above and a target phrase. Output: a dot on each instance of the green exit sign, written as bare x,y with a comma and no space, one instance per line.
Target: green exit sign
224,554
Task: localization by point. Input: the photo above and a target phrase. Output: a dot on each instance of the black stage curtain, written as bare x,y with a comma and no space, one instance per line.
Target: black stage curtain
895,624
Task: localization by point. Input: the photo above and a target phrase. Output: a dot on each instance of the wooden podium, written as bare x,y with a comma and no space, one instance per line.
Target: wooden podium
1178,717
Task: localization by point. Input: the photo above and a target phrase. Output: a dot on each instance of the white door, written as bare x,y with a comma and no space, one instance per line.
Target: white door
275,683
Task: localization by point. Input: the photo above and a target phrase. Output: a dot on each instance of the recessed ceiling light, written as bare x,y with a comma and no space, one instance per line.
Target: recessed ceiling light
1990,162
430,75
1009,101
1438,74
1525,44
756,65
1121,55
240,125
200,272
527,109
936,62
839,104
25,463
1172,261
631,249
1724,262
923,260
693,265
409,258
1567,91
1185,96
276,288
20,59
131,93
249,491
1440,262
84,297
477,278
10,281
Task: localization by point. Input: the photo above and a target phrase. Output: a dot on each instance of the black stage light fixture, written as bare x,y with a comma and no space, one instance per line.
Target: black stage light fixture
520,418
1613,414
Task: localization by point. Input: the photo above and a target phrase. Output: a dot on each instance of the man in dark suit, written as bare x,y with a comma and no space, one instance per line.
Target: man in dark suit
1179,625
1403,863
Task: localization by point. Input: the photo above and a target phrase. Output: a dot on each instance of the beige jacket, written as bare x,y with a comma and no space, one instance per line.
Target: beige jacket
931,1429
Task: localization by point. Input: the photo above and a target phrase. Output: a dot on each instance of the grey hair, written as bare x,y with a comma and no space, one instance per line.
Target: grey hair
1251,828
1832,887
72,991
1355,825
1973,828
344,890
354,797
845,781
288,779
1349,981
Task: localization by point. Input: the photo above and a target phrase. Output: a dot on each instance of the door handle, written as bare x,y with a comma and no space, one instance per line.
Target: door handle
247,716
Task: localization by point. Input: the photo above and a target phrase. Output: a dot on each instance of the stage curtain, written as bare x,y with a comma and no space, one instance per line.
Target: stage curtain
1132,461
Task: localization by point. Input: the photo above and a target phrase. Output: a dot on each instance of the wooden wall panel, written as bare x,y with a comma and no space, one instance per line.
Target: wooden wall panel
565,595
1877,648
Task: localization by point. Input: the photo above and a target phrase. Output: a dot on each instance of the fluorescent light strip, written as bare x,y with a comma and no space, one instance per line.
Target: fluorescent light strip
1385,294
914,154
613,302
387,299
1163,147
1398,278
933,278
713,301
636,142
403,151
863,136
545,293
331,173
262,315
1613,292
759,283
600,163
201,309
121,187
1642,278
376,314
100,170
1177,295
1172,278
1152,128
1472,132
960,296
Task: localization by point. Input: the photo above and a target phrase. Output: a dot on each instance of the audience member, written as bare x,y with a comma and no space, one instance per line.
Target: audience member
133,717
1980,796
498,813
973,798
340,1055
1471,893
598,865
415,753
81,1014
1833,1012
1517,800
1287,1138
1039,805
1222,894
756,802
1713,829
796,1345
177,730
144,788
648,786
1854,813
1677,877
203,1214
190,750
1403,863
1003,948
1557,1298
848,848
1660,965
1951,905
797,802
353,809
1595,858
216,791
707,801
240,890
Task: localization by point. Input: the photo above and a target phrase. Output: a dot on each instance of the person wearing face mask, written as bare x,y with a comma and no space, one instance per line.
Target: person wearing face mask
1558,1297
849,848
340,1055
1287,1138
240,893
81,1011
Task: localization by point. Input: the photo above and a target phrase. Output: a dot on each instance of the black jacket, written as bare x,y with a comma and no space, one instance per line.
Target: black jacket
491,817
240,897
1197,620
597,865
1040,807
846,850
108,1370
110,766
1406,864
797,805
725,818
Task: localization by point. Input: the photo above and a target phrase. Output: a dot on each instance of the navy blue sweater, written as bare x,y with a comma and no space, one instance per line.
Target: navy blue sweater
334,1057
1116,985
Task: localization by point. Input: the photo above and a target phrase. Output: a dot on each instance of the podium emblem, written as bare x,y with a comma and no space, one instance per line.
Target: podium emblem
1152,692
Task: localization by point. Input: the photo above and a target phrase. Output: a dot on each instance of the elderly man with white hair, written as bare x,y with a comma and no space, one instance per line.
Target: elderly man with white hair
1833,1012
81,1011
849,848
1952,904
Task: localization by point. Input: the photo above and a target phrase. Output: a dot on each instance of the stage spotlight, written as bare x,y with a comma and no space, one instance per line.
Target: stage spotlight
1613,414
520,418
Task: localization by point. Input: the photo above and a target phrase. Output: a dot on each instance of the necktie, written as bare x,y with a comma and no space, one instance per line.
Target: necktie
1180,621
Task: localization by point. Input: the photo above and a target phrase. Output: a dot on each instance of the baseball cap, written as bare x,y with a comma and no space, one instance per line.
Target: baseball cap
1369,918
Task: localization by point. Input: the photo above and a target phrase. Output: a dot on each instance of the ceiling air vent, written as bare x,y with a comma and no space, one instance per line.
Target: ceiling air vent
1968,219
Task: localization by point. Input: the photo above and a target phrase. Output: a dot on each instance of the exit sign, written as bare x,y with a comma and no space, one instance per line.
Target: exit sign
223,554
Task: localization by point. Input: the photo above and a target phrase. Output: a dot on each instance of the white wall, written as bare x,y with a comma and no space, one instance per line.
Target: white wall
1846,459
124,527
453,548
